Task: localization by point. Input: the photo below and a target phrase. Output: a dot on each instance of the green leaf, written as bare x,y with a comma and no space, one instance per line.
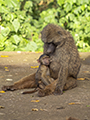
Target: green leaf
15,3
67,7
28,4
60,2
15,39
70,1
20,49
77,10
23,42
10,47
3,9
16,24
83,7
32,46
82,2
8,3
1,37
82,44
12,3
5,31
87,30
10,17
71,16
2,44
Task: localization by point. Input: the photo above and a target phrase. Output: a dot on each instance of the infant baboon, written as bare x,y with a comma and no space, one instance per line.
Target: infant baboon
64,62
42,76
43,72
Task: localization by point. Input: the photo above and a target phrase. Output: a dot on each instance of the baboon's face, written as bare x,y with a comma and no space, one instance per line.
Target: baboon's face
52,34
44,59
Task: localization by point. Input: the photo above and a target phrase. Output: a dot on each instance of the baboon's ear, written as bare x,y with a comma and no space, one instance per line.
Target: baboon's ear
59,32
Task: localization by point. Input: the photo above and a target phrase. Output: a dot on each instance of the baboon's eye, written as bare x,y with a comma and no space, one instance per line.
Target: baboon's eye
59,32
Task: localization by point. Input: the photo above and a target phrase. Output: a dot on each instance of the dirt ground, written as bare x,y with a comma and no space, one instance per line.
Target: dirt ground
16,106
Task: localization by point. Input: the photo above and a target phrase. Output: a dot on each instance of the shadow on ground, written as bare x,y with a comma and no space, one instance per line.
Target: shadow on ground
15,106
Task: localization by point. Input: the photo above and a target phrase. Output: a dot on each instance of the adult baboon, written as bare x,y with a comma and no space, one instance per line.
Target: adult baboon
64,62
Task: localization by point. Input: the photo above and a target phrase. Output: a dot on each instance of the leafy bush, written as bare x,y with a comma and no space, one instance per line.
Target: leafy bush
21,22
75,17
17,30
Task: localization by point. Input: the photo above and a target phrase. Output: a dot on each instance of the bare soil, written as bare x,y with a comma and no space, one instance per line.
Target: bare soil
16,106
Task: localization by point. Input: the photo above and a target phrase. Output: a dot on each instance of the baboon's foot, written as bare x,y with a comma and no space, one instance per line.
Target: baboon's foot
7,88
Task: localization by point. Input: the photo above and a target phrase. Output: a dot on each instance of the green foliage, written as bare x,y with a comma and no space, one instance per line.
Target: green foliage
21,22
17,29
74,16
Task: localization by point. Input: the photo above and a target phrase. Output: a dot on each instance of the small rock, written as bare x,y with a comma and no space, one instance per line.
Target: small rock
9,79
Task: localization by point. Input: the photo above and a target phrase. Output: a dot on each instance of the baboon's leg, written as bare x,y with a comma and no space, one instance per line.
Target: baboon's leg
49,89
49,79
26,82
70,83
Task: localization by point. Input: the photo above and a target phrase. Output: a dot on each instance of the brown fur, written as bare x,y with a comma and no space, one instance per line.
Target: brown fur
26,82
50,89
